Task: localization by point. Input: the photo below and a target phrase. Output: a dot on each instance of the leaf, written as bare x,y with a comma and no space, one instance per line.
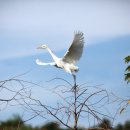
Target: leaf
122,110
129,101
127,77
128,68
127,59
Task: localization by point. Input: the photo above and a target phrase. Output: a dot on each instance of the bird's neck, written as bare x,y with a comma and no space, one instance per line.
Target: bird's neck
55,58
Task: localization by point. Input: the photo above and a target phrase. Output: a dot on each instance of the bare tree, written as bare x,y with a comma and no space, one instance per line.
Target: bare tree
74,103
13,91
8,94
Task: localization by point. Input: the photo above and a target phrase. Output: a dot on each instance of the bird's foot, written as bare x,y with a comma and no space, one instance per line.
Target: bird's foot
75,89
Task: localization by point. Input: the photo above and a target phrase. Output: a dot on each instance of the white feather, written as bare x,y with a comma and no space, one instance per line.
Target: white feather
71,56
75,50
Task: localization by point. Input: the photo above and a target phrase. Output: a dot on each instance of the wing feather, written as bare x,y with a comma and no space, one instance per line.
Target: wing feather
75,50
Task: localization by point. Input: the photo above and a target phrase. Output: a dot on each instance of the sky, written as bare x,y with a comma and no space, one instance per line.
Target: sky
25,24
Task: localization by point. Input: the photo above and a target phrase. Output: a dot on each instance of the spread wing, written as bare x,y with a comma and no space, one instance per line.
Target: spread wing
75,50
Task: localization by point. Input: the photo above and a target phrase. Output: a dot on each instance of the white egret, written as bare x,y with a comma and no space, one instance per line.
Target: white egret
68,61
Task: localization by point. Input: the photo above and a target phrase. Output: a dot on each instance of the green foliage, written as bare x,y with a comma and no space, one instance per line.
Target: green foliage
51,126
119,127
127,125
127,77
127,59
14,124
127,74
105,124
128,68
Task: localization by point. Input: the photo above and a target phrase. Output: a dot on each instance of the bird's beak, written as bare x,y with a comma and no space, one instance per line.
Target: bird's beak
39,47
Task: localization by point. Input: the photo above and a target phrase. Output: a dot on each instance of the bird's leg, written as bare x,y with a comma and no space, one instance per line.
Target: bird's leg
74,76
75,86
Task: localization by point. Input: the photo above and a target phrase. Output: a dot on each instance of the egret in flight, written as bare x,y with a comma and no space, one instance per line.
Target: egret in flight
68,61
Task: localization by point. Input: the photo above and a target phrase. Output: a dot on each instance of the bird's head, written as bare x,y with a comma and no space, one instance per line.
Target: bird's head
42,47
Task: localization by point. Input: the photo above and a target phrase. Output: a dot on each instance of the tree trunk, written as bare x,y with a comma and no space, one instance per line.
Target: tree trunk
75,103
